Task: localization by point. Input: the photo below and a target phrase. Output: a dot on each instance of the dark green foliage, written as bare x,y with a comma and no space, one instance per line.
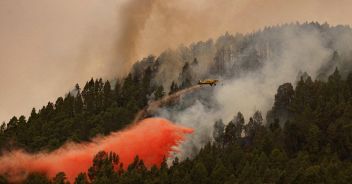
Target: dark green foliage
219,132
103,168
313,146
37,178
60,178
219,173
234,129
159,93
307,138
199,173
80,115
81,179
3,180
280,110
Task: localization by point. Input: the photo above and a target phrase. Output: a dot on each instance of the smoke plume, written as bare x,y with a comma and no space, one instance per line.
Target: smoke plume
281,54
151,139
152,107
136,14
69,42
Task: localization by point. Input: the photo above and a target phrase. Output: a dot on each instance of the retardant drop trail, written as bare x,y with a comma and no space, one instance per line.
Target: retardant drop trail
151,139
153,106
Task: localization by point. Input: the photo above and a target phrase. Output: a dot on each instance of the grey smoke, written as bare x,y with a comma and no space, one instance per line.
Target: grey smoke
293,49
70,41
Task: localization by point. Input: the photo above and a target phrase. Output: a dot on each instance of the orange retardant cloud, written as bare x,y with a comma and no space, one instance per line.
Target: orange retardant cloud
151,139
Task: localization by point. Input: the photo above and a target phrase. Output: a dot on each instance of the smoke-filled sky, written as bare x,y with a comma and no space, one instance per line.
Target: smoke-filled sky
48,46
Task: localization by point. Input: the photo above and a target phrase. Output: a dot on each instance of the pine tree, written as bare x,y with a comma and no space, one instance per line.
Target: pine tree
81,179
159,93
173,88
103,167
219,174
199,173
36,178
107,97
219,132
60,178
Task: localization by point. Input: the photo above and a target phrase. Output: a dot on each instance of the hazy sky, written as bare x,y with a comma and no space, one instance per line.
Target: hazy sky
46,46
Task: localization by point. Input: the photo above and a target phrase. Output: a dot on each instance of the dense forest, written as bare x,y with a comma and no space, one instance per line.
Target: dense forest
314,145
97,109
105,106
306,137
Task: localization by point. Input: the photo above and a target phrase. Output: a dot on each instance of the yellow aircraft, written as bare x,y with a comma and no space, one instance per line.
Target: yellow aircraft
211,82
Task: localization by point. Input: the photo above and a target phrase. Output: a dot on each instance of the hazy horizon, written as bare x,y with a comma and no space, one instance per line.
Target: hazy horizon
48,47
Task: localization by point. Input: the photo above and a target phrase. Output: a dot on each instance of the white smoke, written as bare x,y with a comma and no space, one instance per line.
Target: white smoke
300,51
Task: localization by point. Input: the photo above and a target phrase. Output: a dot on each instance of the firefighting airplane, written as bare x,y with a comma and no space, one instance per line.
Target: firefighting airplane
211,82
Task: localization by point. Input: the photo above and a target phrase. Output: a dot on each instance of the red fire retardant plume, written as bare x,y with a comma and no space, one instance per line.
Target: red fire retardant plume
151,139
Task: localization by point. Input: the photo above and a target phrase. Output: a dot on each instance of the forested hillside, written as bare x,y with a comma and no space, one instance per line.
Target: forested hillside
313,146
104,106
305,137
98,108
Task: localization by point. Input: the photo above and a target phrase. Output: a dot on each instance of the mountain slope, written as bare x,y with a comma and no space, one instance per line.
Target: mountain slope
309,123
